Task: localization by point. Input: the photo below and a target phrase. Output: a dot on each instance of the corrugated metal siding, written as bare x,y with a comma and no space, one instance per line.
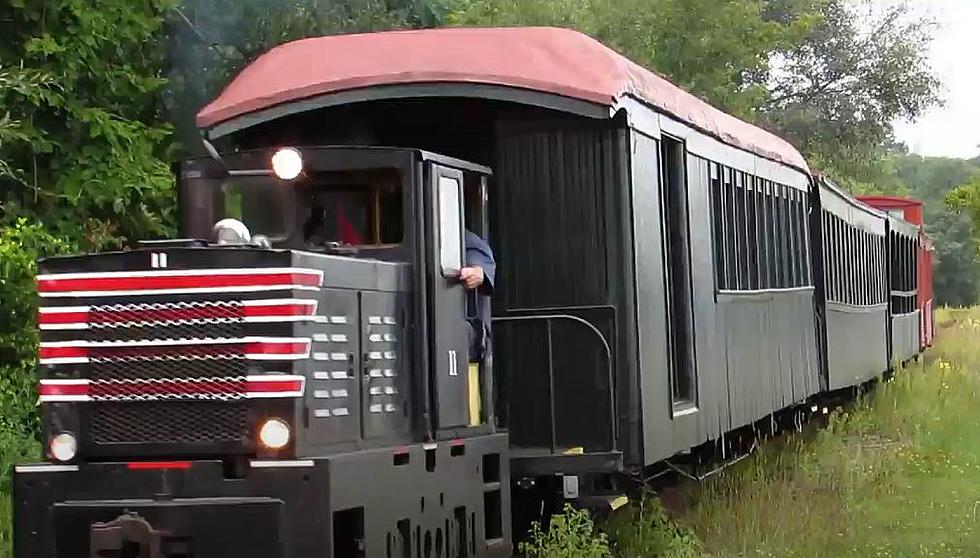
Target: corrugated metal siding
858,344
757,352
905,336
550,210
557,217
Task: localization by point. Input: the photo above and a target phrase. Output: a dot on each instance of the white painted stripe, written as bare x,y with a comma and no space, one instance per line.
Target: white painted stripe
63,309
64,360
277,319
191,290
64,398
63,326
279,301
285,464
46,468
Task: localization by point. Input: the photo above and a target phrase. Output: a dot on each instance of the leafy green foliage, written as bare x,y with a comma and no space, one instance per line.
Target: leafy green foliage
570,534
836,93
208,43
21,244
935,180
644,529
85,148
716,49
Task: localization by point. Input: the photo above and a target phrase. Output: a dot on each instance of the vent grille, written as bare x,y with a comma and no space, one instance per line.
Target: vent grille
169,422
173,320
109,370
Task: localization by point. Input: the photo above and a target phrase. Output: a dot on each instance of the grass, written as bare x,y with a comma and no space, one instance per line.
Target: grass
897,475
14,448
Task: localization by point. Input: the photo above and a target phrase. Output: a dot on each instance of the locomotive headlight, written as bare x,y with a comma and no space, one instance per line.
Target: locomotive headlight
274,434
63,447
287,163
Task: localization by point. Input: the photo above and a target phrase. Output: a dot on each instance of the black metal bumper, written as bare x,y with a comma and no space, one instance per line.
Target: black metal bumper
371,503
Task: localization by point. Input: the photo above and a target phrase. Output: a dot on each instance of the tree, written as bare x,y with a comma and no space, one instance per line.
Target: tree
836,93
84,146
715,49
208,41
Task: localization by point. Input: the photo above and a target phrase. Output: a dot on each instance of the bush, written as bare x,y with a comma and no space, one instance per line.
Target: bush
570,534
21,244
644,530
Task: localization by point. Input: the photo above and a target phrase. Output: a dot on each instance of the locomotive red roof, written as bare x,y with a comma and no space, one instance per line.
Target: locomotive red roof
548,60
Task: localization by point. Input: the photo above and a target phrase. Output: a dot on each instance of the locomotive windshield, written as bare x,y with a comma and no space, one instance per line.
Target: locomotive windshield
362,209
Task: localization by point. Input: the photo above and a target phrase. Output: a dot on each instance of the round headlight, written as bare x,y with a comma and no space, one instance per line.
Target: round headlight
63,447
274,434
287,163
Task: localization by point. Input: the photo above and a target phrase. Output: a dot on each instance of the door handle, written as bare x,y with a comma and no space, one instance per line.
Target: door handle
453,365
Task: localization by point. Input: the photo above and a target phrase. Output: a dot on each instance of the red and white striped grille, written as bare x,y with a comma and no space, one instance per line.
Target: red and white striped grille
251,348
176,314
183,389
221,280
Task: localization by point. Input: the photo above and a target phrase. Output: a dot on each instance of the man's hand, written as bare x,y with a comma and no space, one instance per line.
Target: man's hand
471,277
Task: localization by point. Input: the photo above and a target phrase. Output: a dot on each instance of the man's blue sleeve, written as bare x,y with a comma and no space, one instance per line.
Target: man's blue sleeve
478,253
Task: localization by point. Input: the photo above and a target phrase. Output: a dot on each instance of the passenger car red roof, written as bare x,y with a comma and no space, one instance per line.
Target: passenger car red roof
550,60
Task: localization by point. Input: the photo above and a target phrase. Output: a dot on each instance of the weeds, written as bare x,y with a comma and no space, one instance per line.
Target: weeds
897,473
570,534
644,529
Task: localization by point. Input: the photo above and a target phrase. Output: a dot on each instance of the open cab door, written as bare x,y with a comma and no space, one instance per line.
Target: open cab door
449,332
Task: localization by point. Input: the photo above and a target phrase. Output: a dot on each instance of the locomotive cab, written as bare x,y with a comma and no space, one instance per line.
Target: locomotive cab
293,377
399,206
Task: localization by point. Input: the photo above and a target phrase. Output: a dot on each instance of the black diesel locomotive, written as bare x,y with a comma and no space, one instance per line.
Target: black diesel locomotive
301,381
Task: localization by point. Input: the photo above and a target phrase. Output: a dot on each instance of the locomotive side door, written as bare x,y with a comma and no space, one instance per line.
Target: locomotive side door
448,329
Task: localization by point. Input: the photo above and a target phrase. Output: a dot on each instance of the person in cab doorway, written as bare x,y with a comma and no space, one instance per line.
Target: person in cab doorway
478,278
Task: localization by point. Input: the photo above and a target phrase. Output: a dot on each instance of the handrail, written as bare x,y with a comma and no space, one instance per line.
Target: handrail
548,319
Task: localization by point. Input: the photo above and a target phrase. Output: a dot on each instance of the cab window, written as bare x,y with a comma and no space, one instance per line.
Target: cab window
364,209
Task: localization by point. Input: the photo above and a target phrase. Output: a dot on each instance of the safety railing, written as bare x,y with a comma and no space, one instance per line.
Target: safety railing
547,321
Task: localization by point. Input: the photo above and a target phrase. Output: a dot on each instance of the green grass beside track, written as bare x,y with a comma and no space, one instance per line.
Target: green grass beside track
896,475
